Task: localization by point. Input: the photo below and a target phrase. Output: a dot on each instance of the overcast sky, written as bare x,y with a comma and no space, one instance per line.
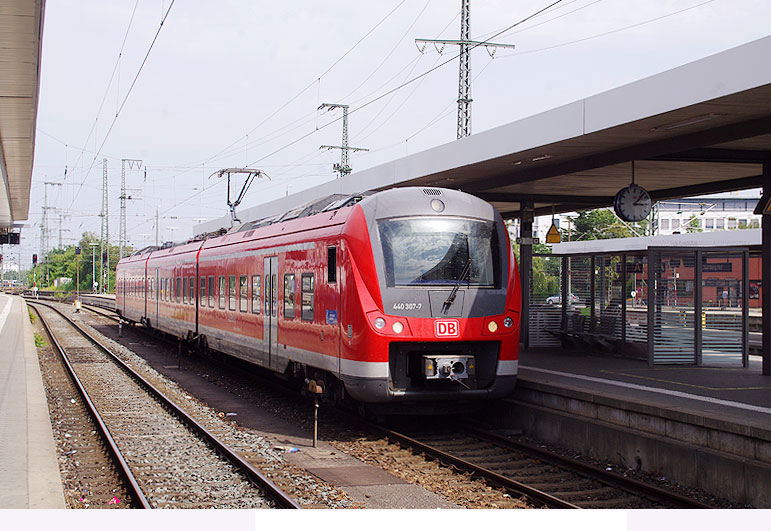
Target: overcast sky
236,83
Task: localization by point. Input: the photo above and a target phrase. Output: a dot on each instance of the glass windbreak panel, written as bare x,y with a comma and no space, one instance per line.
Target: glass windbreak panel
439,252
722,337
674,340
636,294
545,301
608,295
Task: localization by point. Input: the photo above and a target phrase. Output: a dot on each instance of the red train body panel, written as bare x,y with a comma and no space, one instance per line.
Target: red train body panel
396,297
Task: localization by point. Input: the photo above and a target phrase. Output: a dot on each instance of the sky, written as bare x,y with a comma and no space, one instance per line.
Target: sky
238,83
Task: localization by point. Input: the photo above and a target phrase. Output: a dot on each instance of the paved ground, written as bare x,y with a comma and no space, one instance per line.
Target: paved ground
29,473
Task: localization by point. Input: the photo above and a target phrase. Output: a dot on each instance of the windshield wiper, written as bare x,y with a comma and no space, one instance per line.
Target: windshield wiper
454,292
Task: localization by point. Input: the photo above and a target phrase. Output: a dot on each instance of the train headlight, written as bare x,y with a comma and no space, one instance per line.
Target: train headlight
380,323
437,205
508,322
492,326
397,327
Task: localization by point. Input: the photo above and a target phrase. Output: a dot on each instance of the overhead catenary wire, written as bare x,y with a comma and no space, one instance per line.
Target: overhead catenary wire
125,99
368,103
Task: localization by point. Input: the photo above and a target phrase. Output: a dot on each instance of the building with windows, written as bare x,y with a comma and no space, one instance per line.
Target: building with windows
706,214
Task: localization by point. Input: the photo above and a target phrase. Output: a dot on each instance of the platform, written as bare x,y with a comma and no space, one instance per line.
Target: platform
29,472
704,427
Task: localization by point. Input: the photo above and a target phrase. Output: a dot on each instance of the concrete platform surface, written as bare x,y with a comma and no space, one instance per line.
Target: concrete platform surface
29,472
733,394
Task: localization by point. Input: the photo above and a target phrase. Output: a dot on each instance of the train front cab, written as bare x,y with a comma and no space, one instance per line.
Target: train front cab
411,330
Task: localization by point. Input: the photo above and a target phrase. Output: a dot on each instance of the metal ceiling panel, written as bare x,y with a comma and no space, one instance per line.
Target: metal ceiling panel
21,30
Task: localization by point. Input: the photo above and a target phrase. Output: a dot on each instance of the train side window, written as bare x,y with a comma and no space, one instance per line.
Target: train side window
331,265
289,292
202,292
179,289
267,294
256,293
184,290
223,291
243,299
232,292
211,291
307,297
191,285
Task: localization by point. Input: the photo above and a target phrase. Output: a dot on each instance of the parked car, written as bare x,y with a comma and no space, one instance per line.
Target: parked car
557,299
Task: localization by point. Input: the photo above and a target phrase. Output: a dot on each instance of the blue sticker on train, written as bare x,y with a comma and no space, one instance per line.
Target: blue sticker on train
332,317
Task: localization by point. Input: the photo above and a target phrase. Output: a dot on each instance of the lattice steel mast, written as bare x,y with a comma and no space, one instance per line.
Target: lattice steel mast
104,238
123,198
464,80
344,168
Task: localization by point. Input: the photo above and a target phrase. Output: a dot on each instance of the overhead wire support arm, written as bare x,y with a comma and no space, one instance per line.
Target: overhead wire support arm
464,77
251,174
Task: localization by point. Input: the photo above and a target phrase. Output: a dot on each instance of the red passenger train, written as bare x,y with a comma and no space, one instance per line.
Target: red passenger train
409,294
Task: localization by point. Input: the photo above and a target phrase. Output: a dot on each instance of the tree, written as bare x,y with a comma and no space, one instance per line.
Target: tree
692,225
62,264
597,225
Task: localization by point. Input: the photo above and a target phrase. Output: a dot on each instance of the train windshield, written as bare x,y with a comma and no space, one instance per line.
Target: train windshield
439,251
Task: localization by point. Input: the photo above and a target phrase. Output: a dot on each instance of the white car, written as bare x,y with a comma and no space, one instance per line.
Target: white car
557,299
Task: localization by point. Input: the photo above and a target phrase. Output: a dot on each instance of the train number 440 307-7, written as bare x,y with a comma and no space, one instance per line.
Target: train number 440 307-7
407,306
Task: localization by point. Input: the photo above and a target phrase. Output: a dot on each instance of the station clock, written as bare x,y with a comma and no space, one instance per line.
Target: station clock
632,203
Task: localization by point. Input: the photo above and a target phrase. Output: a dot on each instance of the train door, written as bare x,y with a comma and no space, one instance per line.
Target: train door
270,318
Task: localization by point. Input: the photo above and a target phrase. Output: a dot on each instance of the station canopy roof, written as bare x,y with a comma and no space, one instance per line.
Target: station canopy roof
700,128
21,30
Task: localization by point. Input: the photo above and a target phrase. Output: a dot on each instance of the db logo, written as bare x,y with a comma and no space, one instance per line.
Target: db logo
447,328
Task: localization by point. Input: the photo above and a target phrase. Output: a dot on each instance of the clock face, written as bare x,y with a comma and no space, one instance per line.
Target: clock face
632,203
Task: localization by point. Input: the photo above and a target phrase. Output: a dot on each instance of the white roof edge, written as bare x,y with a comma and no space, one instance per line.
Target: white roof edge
716,239
734,70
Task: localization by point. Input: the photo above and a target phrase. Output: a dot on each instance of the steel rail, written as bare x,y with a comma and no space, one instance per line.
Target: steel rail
123,468
490,476
613,479
282,499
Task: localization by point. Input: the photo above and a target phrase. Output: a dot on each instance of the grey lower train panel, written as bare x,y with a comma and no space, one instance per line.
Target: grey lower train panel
379,390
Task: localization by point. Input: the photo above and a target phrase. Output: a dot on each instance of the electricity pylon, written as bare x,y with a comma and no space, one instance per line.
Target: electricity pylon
344,168
123,198
464,81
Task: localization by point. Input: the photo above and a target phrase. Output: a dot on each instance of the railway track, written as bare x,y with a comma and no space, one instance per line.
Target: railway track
166,458
545,478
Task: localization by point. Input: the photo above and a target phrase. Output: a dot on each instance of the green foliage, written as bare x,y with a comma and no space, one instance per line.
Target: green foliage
692,225
39,340
32,316
64,263
597,225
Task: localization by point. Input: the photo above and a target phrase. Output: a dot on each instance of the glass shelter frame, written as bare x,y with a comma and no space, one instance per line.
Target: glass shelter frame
683,306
